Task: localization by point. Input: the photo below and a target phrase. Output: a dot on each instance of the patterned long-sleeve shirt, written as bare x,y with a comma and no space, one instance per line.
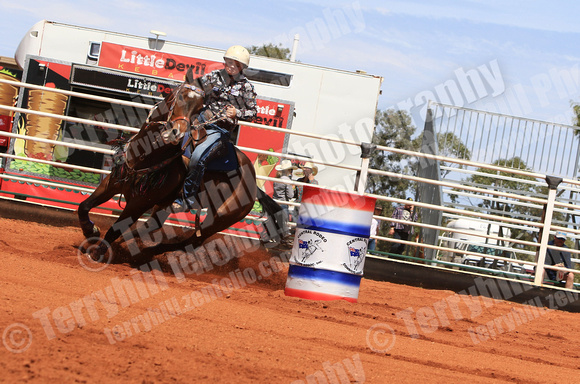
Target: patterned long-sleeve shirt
401,213
222,90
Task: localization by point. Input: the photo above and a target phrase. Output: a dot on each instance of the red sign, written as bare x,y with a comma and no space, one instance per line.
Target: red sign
153,63
274,114
4,126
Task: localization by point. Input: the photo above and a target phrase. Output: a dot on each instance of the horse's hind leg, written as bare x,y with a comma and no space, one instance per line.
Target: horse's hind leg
101,195
145,231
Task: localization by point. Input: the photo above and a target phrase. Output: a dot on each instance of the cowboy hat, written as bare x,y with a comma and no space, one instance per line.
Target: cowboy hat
314,168
298,173
560,235
284,165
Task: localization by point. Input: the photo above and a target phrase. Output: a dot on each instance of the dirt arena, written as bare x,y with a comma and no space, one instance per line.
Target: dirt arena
66,320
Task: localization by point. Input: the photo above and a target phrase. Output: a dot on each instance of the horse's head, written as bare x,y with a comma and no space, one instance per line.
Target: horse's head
161,134
180,105
184,102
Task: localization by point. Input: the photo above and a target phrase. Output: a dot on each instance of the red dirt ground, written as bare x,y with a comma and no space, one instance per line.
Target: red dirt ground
62,322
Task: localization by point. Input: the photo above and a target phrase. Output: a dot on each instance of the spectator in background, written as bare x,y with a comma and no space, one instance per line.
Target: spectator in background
402,231
309,170
283,191
304,174
375,225
559,258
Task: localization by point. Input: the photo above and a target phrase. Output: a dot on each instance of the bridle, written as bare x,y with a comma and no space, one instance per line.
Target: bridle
168,133
170,118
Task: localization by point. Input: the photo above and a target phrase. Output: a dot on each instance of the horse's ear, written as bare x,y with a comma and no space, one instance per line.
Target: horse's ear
189,76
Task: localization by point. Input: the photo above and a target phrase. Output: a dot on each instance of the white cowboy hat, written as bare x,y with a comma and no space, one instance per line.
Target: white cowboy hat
284,165
314,168
561,235
298,173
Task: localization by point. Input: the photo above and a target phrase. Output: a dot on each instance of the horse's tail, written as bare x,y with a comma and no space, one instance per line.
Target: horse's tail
276,224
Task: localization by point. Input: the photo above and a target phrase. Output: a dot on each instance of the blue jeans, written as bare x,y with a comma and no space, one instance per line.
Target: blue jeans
372,244
213,147
398,248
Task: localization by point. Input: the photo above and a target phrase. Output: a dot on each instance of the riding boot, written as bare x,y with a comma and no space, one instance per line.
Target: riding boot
188,196
198,162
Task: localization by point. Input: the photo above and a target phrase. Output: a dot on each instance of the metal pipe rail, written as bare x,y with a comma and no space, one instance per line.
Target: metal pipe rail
68,118
78,94
56,164
495,195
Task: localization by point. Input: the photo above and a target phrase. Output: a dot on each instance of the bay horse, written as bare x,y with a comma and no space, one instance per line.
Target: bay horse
149,172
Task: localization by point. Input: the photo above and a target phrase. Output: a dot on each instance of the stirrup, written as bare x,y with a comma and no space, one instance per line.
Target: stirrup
182,204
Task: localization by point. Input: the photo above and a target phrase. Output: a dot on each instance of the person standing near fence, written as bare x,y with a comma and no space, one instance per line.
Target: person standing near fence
308,171
375,226
559,258
282,190
402,231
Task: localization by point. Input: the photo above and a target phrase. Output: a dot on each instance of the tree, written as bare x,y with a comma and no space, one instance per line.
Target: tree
449,145
499,183
271,50
393,129
576,118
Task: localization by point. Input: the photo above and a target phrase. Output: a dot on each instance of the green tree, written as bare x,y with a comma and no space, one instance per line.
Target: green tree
270,50
449,145
576,118
497,182
394,128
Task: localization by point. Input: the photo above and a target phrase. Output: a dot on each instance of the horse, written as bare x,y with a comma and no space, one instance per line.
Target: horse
149,171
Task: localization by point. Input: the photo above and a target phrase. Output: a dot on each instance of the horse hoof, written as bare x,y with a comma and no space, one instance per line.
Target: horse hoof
95,232
100,253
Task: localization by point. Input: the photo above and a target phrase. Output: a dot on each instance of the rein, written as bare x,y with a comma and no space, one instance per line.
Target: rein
218,117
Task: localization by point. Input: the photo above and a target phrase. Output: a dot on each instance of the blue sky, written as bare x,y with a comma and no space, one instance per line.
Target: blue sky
420,47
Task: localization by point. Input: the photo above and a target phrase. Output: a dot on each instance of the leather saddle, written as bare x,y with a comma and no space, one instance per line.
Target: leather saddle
226,162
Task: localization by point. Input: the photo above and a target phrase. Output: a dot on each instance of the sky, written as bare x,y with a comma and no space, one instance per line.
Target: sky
517,57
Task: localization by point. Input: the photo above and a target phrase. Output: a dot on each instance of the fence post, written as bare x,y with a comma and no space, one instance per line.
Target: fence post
553,183
361,180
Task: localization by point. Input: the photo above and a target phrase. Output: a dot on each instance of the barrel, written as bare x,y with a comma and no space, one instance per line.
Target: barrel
330,245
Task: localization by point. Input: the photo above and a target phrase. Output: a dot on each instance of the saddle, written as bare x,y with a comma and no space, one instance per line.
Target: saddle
225,162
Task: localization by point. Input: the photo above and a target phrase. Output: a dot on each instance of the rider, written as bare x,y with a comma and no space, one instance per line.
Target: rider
228,94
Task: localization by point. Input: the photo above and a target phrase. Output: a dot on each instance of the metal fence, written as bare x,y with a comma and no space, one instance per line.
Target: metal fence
548,148
501,252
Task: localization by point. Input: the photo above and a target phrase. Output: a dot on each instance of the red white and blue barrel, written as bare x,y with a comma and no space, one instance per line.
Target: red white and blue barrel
330,245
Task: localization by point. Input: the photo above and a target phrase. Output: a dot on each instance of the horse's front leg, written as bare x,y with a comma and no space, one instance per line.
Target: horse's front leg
104,192
135,208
